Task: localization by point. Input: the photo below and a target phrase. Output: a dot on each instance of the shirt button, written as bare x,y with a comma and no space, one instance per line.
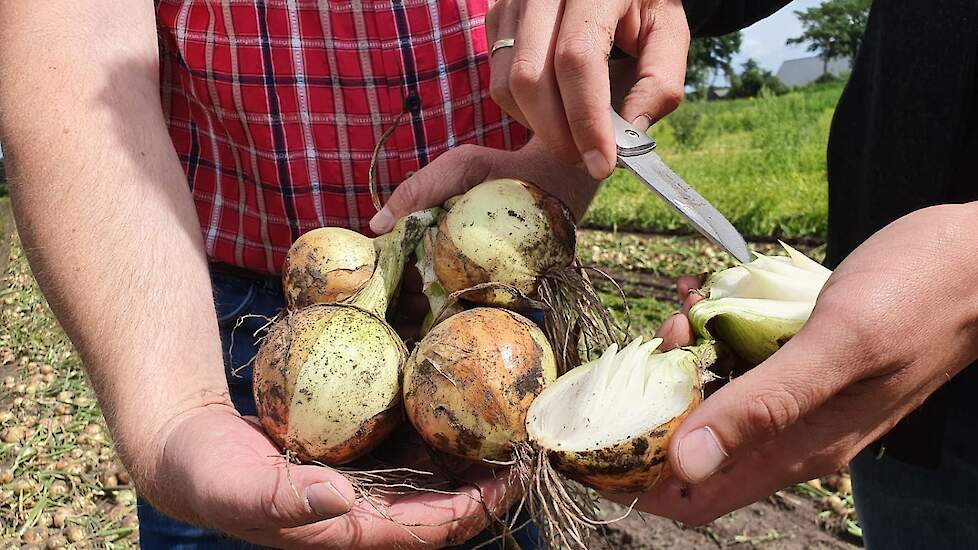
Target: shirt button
412,103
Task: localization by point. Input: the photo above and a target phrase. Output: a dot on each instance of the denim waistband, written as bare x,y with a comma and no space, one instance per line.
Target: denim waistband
229,273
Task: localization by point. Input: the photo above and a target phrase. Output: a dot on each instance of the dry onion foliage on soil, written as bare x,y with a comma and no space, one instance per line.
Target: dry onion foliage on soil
61,484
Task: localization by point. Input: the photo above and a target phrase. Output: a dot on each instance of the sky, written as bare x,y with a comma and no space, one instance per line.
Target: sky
765,40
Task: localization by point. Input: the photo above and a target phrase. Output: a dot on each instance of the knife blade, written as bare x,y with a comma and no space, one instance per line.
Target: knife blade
636,154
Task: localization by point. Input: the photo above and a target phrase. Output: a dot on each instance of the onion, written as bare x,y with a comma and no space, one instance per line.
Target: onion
327,376
334,265
326,382
756,307
503,231
327,265
470,381
608,423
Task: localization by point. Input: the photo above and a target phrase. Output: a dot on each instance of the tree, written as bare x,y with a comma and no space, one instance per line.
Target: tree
834,29
753,81
708,57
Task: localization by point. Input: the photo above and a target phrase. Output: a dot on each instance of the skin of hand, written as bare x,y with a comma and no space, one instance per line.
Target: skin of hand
110,229
555,79
459,169
879,341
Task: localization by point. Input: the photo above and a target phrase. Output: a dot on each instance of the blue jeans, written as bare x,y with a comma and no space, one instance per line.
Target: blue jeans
236,297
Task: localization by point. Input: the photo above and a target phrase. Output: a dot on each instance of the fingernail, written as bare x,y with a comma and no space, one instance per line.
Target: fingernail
700,454
596,164
382,222
326,500
643,122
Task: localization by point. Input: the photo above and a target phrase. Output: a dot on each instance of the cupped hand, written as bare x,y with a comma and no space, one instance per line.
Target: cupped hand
895,321
555,80
219,470
458,170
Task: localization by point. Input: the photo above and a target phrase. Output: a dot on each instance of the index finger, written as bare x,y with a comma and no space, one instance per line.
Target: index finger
663,45
581,65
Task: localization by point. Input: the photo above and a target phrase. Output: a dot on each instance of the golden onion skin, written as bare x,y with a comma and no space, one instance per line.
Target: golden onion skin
470,381
631,466
351,359
327,265
552,246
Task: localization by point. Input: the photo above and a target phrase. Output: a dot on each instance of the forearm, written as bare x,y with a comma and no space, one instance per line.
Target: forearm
105,215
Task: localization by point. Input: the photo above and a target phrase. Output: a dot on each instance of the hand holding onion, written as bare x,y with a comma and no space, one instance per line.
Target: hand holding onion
221,471
485,385
458,170
879,341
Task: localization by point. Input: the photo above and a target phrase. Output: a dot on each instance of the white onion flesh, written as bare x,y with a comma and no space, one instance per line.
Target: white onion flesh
756,307
622,395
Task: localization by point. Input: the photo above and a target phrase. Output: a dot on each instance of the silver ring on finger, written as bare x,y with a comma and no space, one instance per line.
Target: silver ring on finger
501,44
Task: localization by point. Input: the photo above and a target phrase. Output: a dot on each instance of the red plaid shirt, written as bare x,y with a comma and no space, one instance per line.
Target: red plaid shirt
275,107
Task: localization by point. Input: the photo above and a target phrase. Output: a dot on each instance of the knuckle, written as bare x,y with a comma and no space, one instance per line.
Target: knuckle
466,153
276,510
672,96
574,53
564,149
772,412
582,124
472,162
500,92
524,74
405,197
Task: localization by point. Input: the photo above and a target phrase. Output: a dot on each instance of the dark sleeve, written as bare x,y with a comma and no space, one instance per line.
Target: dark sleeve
719,17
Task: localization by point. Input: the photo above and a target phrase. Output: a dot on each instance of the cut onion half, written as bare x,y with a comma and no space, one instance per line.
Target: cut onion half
607,423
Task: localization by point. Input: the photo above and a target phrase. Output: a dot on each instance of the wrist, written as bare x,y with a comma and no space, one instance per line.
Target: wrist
156,470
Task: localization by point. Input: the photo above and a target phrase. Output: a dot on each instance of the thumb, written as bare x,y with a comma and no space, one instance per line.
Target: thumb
760,405
289,495
452,173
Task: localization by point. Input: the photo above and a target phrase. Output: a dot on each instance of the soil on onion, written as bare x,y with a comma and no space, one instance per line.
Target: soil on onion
61,484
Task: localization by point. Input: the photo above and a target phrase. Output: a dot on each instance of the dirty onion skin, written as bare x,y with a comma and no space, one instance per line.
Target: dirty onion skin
503,231
470,381
327,265
631,466
326,383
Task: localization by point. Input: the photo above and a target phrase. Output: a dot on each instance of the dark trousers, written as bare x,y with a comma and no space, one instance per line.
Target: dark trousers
907,507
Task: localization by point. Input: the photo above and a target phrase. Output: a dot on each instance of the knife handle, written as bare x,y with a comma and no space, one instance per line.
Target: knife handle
630,140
